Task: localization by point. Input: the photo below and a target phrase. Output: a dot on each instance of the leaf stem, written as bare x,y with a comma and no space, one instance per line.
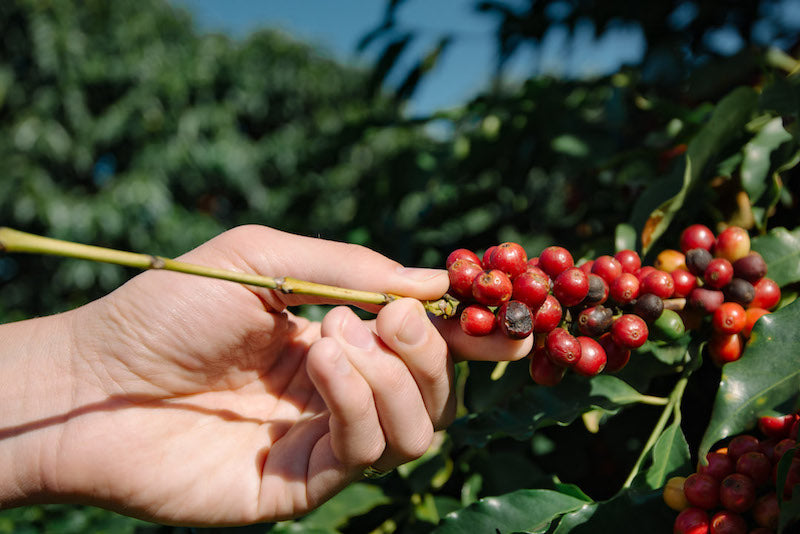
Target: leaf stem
16,241
671,408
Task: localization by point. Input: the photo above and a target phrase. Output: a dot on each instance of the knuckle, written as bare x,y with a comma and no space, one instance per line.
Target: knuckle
417,442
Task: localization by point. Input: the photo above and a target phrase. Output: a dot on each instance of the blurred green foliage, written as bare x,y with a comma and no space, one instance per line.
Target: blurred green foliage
121,125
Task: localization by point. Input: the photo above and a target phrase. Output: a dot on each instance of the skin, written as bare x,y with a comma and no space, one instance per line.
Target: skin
191,401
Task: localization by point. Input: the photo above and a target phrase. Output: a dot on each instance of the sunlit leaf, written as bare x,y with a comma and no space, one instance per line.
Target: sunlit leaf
781,250
522,510
767,375
669,457
631,511
538,406
756,163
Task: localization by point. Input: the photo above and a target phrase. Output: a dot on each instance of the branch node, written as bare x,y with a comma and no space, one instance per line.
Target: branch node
157,263
279,285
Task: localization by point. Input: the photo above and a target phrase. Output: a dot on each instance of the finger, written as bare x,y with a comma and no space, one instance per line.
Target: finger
274,253
404,327
404,420
494,347
356,436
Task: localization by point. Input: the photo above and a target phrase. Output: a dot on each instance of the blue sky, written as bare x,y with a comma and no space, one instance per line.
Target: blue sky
337,26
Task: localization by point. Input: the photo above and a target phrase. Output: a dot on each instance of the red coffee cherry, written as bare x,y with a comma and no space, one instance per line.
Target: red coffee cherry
607,268
658,283
492,288
741,444
776,426
598,291
543,371
697,236
691,521
732,243
462,273
593,357
617,356
462,254
727,522
531,287
630,331
562,348
510,258
756,465
683,282
624,289
555,260
706,300
486,262
766,512
629,260
571,286
697,261
725,348
729,318
477,320
642,273
586,266
595,320
702,491
515,319
719,465
548,316
751,267
768,294
718,273
782,447
737,493
753,315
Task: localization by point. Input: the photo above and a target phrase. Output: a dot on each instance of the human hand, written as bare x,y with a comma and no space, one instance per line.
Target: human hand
198,401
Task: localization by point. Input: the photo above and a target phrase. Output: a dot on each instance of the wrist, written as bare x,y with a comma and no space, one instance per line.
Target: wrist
37,399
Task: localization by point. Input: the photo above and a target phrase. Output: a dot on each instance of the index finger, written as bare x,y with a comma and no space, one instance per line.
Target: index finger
494,347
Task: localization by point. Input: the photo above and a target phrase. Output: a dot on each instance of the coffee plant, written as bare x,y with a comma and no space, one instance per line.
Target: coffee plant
641,226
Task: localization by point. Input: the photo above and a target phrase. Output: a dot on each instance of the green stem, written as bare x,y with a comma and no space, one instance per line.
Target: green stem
15,241
672,408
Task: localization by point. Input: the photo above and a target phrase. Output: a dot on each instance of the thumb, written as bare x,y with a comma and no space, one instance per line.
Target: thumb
270,252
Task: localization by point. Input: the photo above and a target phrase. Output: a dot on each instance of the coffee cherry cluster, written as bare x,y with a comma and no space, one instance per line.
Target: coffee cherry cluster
722,278
568,308
589,317
735,492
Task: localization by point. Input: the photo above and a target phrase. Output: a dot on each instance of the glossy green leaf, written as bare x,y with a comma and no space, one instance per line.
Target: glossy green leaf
624,237
767,375
538,406
781,250
631,511
668,352
756,162
669,457
725,124
521,510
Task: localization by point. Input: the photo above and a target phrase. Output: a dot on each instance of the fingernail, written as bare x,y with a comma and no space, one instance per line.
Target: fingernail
420,274
413,330
356,334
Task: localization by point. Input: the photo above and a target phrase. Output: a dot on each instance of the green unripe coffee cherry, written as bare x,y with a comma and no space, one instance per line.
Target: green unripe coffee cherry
669,326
